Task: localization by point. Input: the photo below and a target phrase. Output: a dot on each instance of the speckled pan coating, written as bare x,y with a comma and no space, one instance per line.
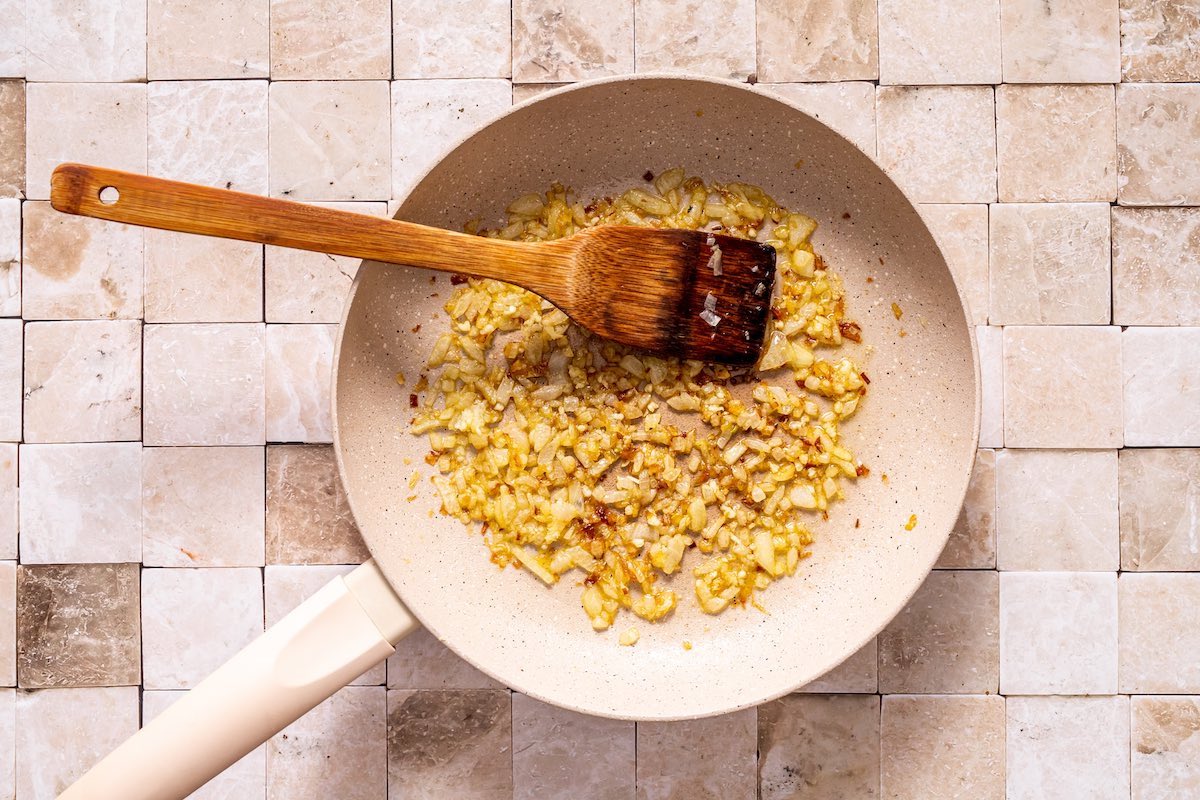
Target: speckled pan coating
919,425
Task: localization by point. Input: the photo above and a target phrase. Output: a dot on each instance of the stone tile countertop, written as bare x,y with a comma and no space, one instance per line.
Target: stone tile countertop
165,434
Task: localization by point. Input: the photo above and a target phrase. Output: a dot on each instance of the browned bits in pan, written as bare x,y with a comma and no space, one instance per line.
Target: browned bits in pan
851,331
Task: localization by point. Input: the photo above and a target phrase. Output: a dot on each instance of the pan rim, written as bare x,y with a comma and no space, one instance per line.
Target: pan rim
519,683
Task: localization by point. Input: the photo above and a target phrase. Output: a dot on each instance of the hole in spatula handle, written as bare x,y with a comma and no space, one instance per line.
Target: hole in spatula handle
109,195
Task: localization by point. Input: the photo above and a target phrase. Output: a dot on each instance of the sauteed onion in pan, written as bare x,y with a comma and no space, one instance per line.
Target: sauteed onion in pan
574,453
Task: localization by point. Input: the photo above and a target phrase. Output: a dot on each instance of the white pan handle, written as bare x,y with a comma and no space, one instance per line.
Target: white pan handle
340,632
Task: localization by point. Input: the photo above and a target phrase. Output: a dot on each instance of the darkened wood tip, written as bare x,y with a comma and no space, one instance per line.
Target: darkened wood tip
668,292
738,302
68,183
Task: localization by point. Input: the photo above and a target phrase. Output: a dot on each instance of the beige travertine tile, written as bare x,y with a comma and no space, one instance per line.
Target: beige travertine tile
106,125
947,639
1164,747
246,778
1057,510
429,117
559,753
202,279
205,39
209,132
1160,509
525,91
56,342
1160,40
1065,748
299,372
330,40
311,287
330,140
12,65
8,742
939,746
12,138
848,108
1036,163
858,674
202,506
308,519
1157,144
961,119
1058,633
1159,636
929,42
85,40
1060,387
449,744
10,257
1156,266
961,231
11,338
476,32
817,40
1065,41
8,502
194,620
62,733
78,625
972,543
1162,392
285,587
81,503
79,268
1050,264
571,40
8,632
712,757
825,747
990,341
83,381
685,36
203,384
421,661
339,749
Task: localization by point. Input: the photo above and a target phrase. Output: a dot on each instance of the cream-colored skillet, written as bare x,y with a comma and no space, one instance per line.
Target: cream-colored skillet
918,427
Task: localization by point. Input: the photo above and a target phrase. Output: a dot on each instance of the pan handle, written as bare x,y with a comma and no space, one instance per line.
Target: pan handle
343,630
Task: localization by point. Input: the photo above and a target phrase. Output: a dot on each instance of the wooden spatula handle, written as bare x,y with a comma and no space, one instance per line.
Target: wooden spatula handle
117,196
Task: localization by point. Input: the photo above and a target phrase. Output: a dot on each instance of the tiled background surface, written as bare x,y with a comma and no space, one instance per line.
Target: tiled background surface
165,397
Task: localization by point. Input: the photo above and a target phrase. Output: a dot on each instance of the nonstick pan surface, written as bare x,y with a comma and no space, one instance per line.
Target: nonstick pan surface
918,425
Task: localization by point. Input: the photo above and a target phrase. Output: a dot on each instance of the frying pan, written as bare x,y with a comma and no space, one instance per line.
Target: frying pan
917,431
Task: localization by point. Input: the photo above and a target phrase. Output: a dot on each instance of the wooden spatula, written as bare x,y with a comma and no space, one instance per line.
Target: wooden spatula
673,292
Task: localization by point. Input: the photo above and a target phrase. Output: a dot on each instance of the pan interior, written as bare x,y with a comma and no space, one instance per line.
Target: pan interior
918,425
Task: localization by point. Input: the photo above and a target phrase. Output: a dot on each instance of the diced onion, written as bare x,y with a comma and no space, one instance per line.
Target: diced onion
578,454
